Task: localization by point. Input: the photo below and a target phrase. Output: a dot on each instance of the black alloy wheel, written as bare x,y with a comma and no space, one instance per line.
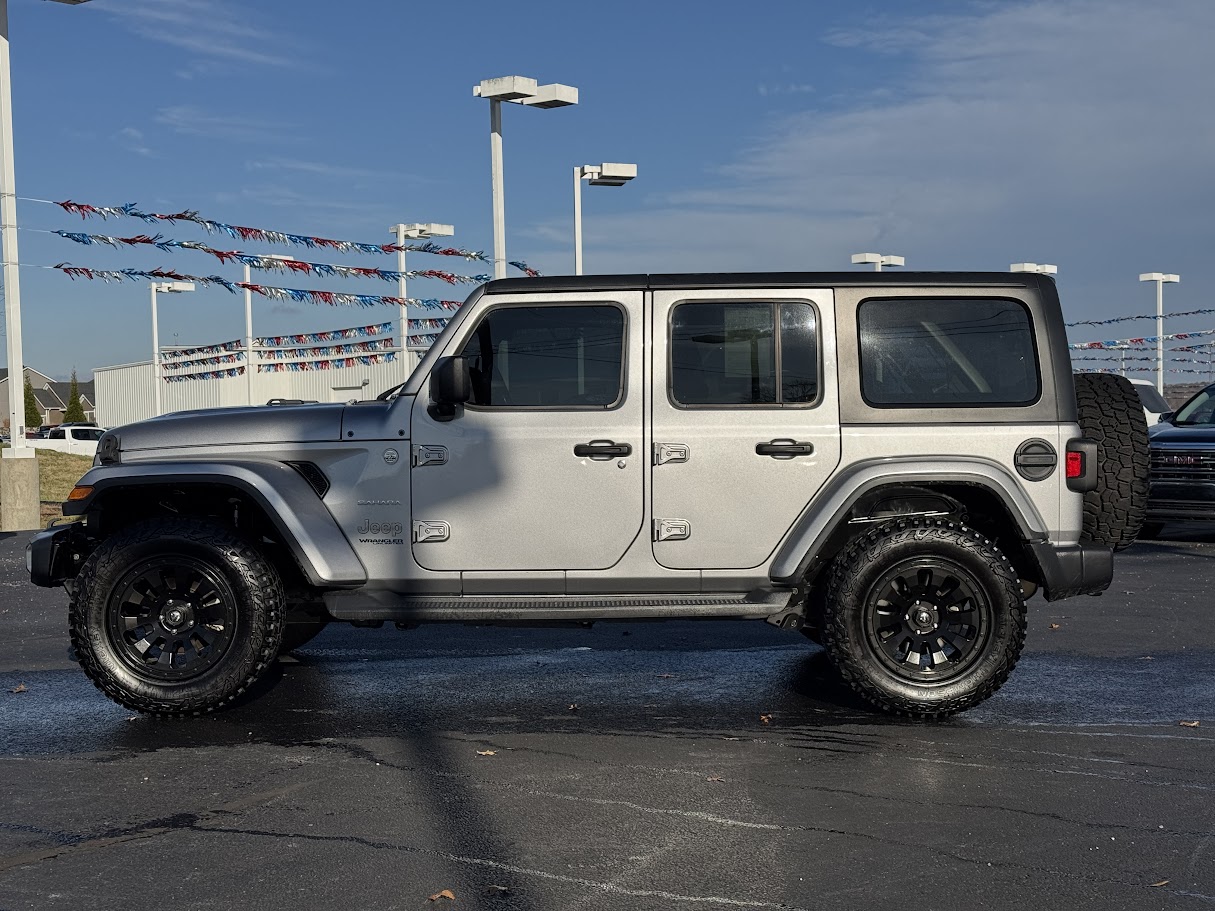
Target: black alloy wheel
927,619
171,618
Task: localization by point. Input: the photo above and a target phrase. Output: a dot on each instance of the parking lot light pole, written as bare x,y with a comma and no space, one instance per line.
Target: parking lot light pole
404,233
165,288
520,90
1159,278
608,174
18,468
878,260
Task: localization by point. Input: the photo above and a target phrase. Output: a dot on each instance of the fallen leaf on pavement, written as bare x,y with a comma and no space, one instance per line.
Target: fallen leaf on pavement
664,676
501,890
573,706
765,719
1189,724
714,778
1053,626
732,738
446,893
487,752
1163,882
20,688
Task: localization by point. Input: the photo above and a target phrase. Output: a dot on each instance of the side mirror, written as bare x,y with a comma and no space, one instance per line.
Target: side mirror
450,387
1166,417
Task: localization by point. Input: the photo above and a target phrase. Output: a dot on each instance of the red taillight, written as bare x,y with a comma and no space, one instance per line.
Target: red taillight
1075,465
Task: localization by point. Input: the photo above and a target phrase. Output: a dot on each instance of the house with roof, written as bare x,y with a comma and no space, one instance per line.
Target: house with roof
51,396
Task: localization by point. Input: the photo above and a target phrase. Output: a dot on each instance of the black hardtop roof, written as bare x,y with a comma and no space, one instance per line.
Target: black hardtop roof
762,280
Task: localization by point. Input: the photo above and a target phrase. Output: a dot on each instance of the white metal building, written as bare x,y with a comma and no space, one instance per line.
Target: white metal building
125,392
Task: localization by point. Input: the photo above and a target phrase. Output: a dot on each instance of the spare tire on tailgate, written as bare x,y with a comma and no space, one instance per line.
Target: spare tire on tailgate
1111,415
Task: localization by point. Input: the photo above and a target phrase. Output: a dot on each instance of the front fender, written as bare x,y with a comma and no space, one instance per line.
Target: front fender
305,524
836,499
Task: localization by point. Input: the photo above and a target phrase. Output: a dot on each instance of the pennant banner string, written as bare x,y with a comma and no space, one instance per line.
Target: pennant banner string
240,232
220,348
1127,319
256,261
329,364
275,341
297,295
208,375
281,354
1114,343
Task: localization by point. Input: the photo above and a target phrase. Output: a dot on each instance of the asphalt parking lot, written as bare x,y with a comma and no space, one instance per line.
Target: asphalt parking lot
639,766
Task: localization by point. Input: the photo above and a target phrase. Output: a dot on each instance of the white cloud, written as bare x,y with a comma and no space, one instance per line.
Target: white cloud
192,121
209,28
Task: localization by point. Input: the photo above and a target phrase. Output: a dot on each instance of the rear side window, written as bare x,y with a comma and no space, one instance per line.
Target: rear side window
947,352
744,354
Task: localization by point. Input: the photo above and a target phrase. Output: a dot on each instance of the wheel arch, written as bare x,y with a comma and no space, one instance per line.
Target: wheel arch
981,491
280,494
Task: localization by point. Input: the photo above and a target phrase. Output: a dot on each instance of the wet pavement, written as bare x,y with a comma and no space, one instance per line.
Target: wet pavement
703,765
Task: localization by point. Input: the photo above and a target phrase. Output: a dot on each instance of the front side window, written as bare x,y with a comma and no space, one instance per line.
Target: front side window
925,352
547,357
744,354
1198,410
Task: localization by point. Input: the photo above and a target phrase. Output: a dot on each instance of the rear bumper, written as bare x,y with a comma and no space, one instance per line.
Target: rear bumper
1077,569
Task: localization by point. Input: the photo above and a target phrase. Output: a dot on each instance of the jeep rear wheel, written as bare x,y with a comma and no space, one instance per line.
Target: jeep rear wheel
1110,414
923,617
176,616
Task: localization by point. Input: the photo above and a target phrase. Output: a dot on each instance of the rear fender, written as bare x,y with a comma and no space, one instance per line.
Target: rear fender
834,505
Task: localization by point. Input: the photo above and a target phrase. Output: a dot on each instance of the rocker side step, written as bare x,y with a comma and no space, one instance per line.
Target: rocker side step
362,604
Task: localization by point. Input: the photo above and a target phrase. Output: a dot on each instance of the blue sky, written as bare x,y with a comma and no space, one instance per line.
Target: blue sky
768,136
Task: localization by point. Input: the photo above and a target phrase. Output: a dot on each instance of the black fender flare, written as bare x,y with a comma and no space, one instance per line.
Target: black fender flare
843,491
288,500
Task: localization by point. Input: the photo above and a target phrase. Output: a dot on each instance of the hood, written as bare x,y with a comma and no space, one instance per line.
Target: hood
220,426
1185,435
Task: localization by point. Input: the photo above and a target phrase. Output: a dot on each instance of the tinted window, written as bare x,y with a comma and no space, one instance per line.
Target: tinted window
734,354
1198,410
87,433
927,351
547,357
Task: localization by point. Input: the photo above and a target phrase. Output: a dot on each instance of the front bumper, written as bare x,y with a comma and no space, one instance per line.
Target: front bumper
1181,501
50,557
1076,569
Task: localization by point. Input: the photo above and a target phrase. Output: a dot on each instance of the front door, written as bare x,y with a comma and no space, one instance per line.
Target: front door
746,421
543,468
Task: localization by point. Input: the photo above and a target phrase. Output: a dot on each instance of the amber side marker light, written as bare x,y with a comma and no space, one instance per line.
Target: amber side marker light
79,493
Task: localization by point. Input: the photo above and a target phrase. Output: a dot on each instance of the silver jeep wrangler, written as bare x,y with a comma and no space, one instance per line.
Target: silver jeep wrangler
890,464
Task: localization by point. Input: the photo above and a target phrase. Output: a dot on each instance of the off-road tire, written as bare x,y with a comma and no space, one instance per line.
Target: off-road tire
1111,415
239,572
857,583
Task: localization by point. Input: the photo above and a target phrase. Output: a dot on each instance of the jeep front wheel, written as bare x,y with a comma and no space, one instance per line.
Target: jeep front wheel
176,616
923,617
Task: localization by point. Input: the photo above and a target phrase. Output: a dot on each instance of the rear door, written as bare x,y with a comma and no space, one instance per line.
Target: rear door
745,417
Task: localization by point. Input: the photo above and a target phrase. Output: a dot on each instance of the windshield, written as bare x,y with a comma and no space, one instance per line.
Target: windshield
1198,410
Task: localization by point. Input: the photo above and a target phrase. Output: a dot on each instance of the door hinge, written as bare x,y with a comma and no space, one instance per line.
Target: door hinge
429,455
672,529
430,531
670,452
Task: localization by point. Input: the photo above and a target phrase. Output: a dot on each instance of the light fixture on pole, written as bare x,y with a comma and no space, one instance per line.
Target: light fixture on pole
608,174
164,288
520,90
1159,278
1040,268
878,260
404,233
18,467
